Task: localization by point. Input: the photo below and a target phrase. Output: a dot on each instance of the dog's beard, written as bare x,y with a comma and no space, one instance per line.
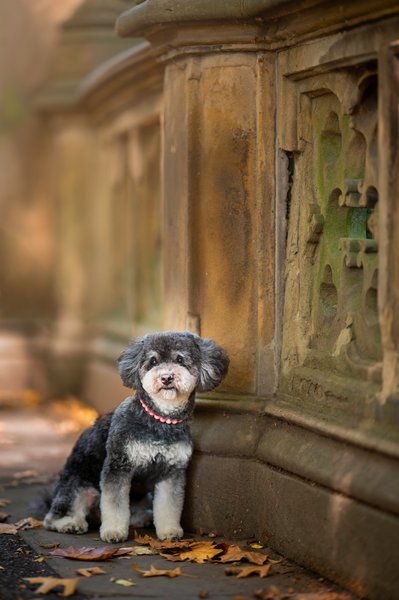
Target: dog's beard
171,397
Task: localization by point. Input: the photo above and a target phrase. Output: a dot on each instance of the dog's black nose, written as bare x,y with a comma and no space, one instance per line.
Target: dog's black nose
167,379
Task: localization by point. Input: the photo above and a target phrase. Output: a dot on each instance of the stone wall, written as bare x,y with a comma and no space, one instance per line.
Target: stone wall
235,173
278,184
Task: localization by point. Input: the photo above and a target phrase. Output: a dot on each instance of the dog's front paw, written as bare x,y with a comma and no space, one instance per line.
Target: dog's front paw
66,524
113,536
169,533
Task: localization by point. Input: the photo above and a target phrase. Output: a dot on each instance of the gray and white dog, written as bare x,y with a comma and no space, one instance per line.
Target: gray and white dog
141,449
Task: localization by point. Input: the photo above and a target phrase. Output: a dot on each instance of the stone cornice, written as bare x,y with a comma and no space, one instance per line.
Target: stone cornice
172,24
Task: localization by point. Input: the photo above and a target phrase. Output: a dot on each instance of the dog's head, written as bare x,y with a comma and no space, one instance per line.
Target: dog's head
170,366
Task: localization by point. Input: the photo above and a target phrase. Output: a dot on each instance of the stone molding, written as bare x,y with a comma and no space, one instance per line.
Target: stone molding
176,26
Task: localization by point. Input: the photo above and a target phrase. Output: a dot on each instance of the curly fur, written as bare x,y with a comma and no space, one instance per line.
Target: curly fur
134,455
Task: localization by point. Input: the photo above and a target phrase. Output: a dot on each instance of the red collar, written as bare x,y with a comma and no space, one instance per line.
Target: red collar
158,417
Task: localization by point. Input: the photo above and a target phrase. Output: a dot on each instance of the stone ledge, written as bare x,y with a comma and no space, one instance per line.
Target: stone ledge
338,463
336,536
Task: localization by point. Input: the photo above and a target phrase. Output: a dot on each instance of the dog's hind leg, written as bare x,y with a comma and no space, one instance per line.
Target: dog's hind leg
70,508
141,514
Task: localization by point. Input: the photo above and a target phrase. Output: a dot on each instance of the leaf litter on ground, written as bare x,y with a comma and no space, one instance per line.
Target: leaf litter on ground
189,549
206,551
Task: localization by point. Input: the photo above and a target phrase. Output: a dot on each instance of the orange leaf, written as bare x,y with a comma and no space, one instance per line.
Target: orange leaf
261,571
49,583
201,552
153,572
236,554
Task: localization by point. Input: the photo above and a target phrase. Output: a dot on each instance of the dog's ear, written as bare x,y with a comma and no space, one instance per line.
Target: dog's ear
214,365
129,363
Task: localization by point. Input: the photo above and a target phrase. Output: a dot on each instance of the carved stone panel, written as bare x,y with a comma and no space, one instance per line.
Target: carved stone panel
331,314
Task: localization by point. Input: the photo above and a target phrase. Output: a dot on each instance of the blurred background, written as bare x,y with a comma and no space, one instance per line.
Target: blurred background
67,257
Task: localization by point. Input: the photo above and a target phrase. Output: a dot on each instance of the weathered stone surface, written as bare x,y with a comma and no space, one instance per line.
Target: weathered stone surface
213,205
331,533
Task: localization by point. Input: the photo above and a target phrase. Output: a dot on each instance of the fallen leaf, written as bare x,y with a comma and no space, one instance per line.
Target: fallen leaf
39,560
153,572
90,571
256,546
274,561
4,502
163,544
261,571
8,529
124,582
28,523
103,553
236,554
136,551
49,583
49,546
200,552
3,516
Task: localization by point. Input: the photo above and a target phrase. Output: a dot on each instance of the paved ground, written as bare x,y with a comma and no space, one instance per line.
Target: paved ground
33,447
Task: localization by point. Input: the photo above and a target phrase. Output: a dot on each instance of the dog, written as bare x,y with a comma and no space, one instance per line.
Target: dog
140,451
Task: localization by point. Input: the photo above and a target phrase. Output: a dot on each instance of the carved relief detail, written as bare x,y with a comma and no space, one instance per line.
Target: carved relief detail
337,251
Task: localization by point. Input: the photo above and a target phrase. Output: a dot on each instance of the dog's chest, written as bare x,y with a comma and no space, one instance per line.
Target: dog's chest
145,454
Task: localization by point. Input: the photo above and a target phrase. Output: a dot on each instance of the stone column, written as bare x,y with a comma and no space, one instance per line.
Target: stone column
218,195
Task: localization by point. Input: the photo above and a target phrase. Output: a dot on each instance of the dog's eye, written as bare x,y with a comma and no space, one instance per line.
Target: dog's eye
153,362
179,359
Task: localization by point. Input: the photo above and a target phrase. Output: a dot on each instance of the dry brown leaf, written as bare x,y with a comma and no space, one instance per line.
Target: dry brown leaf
136,551
153,572
103,553
28,523
8,529
49,546
240,572
90,571
4,502
200,552
49,583
164,545
3,516
236,554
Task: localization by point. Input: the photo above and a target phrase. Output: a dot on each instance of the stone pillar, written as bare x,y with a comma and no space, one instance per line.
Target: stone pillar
218,209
